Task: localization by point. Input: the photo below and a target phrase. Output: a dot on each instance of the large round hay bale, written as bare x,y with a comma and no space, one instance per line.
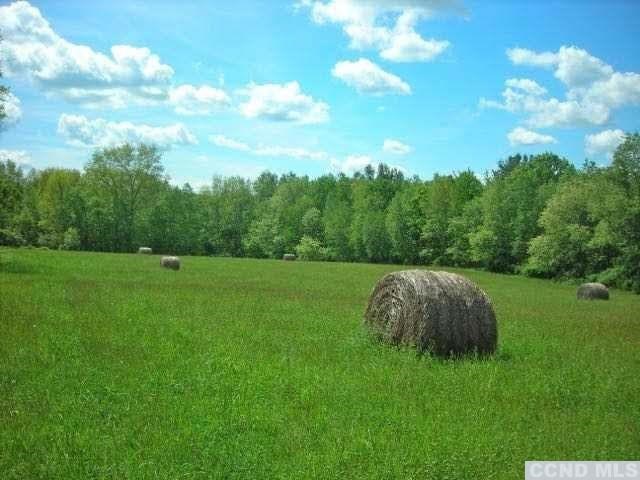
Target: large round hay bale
170,262
593,291
289,257
437,312
145,250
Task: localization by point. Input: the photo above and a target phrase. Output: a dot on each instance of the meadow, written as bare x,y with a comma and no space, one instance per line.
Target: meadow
111,367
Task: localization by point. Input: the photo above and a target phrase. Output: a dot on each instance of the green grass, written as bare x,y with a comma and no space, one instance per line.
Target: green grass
111,367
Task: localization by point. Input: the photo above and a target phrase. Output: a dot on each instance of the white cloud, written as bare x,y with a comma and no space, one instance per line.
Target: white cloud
548,112
385,25
406,45
208,167
203,100
20,157
594,89
31,48
522,56
282,102
352,164
356,163
526,85
522,136
367,77
80,131
574,66
603,142
396,147
126,75
226,142
268,151
12,110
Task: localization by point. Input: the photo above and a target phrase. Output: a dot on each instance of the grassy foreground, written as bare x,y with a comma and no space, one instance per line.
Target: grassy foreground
111,367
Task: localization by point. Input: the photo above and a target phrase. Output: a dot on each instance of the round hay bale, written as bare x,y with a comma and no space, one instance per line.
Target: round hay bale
170,262
145,250
289,257
437,312
593,291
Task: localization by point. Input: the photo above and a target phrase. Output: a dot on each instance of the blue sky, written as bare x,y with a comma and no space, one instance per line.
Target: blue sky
319,86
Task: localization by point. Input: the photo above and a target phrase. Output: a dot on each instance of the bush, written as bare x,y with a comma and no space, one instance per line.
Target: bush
11,238
71,240
50,240
311,249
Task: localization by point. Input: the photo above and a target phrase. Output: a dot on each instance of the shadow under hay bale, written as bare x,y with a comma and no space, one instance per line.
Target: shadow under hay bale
170,262
145,250
593,291
289,257
437,312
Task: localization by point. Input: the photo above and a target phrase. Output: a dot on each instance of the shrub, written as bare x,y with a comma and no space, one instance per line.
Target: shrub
311,249
71,239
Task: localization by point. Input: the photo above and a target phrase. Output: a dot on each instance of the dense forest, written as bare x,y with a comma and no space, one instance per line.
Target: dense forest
537,215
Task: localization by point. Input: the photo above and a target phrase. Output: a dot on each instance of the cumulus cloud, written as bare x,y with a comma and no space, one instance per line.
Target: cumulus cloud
33,49
603,142
268,151
282,102
385,25
12,111
526,97
203,100
83,132
396,147
573,66
126,75
522,136
367,77
19,157
594,89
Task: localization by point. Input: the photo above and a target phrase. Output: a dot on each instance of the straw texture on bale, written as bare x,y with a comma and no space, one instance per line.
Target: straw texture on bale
170,262
289,256
593,291
437,312
145,250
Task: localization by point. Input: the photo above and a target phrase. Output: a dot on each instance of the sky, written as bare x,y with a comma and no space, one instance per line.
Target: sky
315,87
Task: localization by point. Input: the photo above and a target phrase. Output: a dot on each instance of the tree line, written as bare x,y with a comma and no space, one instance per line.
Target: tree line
536,215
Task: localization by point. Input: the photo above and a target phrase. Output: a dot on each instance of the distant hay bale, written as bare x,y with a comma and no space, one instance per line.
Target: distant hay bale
170,262
593,291
145,250
289,257
437,312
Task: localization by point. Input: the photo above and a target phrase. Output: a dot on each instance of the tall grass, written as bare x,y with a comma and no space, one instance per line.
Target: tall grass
112,367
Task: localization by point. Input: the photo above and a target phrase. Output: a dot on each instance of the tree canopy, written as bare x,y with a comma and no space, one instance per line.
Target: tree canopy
536,214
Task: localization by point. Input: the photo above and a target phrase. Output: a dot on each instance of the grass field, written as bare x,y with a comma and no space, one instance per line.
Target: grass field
111,367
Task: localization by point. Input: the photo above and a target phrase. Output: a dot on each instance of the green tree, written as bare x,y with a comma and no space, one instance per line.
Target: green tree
578,236
403,222
443,200
312,224
12,185
231,214
625,171
264,239
125,179
60,204
511,205
336,219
